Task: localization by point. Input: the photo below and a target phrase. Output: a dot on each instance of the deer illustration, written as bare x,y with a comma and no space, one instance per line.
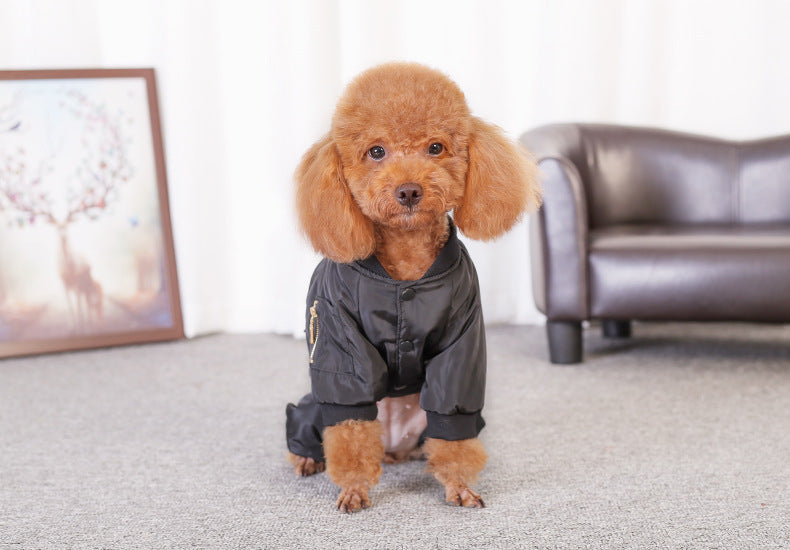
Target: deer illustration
84,296
83,293
55,190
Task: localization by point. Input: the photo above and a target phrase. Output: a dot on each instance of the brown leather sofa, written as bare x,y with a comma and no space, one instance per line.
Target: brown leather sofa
646,224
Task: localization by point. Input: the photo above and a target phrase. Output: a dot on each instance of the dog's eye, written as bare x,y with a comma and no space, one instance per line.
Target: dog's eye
376,152
435,149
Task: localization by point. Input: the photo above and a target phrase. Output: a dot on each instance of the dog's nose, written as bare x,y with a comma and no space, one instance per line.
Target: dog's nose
409,194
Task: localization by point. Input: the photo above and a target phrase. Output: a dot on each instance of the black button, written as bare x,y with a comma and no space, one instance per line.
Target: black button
408,294
406,346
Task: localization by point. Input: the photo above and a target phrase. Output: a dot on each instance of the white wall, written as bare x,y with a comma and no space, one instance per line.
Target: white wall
246,87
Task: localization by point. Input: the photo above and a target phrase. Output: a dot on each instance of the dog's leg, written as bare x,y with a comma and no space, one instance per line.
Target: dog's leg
304,466
353,451
456,465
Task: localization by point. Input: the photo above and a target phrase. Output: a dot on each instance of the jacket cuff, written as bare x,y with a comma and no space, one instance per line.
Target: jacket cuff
335,414
303,429
454,427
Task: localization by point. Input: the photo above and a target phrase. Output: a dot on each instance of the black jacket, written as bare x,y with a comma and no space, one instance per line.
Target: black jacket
370,336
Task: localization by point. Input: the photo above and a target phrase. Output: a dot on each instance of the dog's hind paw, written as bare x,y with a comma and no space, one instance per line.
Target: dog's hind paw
460,495
304,466
352,499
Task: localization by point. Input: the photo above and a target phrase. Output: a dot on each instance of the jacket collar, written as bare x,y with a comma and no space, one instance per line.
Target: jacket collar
447,257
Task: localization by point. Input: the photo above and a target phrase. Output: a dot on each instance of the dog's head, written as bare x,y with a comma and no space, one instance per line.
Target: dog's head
403,150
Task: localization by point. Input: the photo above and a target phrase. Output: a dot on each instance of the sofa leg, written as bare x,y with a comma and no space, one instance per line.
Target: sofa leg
565,341
616,329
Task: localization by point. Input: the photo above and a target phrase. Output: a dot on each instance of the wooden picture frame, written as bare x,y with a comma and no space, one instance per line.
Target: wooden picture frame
86,245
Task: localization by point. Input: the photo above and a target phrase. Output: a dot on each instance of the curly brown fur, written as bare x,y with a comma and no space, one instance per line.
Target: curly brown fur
351,204
326,209
354,451
456,465
501,183
346,199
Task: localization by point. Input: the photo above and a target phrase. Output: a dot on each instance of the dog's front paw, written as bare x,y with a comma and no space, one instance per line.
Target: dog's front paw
352,499
461,495
304,466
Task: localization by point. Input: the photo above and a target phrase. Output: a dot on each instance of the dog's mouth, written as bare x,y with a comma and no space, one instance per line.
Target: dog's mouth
411,217
409,211
408,204
416,205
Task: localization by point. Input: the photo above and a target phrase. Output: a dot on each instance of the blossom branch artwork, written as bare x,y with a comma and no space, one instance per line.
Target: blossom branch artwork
85,242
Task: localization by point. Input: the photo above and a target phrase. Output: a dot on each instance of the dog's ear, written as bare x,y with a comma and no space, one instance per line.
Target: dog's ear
328,214
501,182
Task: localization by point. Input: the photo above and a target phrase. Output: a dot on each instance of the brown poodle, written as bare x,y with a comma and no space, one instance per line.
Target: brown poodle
396,341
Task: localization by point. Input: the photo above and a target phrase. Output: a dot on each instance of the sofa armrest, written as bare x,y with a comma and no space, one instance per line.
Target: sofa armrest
558,241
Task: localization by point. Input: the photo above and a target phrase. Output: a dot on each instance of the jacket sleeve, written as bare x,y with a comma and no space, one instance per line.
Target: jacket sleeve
454,389
347,373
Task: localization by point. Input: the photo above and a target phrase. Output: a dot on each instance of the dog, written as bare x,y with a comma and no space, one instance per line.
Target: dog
394,328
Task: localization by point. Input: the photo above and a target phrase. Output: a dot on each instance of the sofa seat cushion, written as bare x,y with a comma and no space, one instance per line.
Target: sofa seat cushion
694,273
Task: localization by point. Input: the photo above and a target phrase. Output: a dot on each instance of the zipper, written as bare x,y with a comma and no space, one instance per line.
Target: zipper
313,329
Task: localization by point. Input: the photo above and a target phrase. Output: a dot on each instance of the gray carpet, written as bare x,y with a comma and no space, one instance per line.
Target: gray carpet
677,438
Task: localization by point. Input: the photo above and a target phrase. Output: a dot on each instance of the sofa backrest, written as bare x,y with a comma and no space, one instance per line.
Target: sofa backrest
649,176
636,176
764,183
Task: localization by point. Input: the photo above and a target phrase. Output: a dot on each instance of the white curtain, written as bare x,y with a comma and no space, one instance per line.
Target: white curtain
246,87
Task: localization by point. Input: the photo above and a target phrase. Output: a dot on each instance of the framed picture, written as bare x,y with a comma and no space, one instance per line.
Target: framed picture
86,248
